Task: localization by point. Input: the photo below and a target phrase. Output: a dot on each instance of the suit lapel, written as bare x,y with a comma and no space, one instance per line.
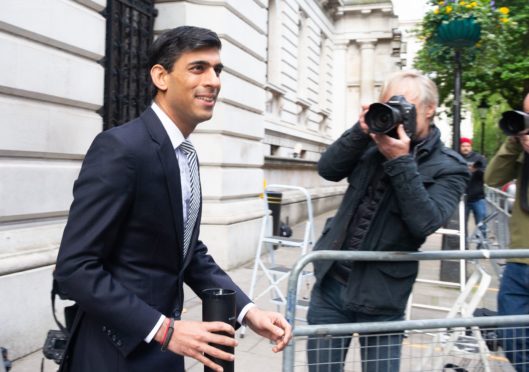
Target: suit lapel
166,154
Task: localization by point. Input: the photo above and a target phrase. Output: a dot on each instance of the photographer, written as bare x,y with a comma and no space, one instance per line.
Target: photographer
513,297
475,193
402,187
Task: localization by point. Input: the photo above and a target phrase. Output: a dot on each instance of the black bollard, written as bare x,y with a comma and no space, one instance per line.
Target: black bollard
274,205
219,305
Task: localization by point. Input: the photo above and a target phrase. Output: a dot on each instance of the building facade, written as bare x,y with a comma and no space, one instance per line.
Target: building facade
295,74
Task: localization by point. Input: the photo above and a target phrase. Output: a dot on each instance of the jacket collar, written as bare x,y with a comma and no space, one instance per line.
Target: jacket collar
428,144
167,156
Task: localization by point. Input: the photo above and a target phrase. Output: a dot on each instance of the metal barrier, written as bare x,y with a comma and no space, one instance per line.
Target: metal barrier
441,343
499,202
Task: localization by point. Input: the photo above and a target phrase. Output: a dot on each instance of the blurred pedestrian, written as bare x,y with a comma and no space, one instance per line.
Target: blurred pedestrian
513,296
475,192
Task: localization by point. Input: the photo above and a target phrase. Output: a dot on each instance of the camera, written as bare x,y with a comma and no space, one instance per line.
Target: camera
55,345
514,122
384,117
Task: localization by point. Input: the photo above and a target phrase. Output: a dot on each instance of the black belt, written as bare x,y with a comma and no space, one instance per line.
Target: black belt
340,272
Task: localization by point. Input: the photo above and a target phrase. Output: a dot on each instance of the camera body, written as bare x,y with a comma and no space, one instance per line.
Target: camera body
385,117
514,122
55,345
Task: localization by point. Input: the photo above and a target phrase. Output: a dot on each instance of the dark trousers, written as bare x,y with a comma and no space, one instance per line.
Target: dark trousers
479,210
379,352
513,299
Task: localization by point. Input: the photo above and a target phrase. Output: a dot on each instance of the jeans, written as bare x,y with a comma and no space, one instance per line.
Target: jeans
379,352
479,210
513,299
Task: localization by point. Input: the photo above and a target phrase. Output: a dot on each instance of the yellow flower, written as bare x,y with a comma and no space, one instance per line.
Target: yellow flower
504,20
448,9
504,10
462,3
473,4
436,10
441,3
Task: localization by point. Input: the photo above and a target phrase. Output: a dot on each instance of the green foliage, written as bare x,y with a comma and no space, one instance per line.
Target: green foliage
495,71
493,137
498,63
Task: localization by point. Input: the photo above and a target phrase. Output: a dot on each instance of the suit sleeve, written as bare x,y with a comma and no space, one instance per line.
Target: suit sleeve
103,194
204,273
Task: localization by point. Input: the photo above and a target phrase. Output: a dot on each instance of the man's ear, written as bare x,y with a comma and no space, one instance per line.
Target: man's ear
430,111
158,76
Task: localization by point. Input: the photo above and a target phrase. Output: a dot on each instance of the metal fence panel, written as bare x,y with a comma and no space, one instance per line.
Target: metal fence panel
455,344
439,349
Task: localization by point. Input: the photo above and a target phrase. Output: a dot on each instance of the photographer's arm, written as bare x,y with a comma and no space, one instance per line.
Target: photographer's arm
426,204
341,157
504,166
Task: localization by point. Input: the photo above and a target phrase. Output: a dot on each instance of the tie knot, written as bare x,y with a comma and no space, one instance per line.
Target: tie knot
187,147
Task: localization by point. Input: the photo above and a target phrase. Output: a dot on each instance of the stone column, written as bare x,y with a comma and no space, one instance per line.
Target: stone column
339,88
367,70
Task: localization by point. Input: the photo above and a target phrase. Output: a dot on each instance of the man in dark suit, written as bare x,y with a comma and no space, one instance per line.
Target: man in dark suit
131,239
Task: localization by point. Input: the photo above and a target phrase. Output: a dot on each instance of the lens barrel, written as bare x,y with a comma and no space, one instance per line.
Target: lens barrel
514,122
382,118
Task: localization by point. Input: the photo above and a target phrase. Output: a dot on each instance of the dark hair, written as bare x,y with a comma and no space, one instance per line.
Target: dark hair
170,45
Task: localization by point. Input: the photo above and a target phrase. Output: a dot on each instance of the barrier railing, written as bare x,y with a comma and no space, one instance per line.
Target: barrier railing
446,335
499,202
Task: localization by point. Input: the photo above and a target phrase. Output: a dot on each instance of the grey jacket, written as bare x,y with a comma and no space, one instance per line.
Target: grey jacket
425,188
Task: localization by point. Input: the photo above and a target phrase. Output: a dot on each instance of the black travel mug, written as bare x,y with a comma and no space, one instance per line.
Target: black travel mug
219,305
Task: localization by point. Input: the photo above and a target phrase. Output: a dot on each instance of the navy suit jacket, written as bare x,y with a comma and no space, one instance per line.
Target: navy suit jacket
121,256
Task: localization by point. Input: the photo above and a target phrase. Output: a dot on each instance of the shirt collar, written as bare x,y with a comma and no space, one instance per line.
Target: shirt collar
175,136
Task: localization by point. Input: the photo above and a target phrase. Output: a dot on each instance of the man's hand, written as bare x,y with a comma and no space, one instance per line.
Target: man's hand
524,141
192,339
271,325
361,119
391,147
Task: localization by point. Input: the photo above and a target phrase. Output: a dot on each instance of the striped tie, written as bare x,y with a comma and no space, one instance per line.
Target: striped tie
194,202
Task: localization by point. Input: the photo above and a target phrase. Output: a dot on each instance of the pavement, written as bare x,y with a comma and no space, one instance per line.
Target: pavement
255,353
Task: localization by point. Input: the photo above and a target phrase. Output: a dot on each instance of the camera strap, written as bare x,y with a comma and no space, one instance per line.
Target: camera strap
524,184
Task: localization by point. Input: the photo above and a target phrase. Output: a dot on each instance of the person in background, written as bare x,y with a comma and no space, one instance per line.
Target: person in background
475,201
402,188
513,296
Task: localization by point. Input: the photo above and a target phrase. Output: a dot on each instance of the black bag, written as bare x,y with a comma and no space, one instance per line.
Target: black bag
490,334
57,339
453,367
285,231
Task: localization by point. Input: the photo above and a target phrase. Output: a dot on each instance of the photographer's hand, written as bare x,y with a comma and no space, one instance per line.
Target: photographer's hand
524,141
361,119
391,147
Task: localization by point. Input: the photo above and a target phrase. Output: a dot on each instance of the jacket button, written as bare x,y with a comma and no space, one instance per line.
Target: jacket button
104,328
109,332
114,338
119,343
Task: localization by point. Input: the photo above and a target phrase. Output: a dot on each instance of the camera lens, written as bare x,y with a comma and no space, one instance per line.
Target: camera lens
514,122
382,118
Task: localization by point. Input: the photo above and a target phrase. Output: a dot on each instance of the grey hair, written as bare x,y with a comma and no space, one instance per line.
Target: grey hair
413,82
